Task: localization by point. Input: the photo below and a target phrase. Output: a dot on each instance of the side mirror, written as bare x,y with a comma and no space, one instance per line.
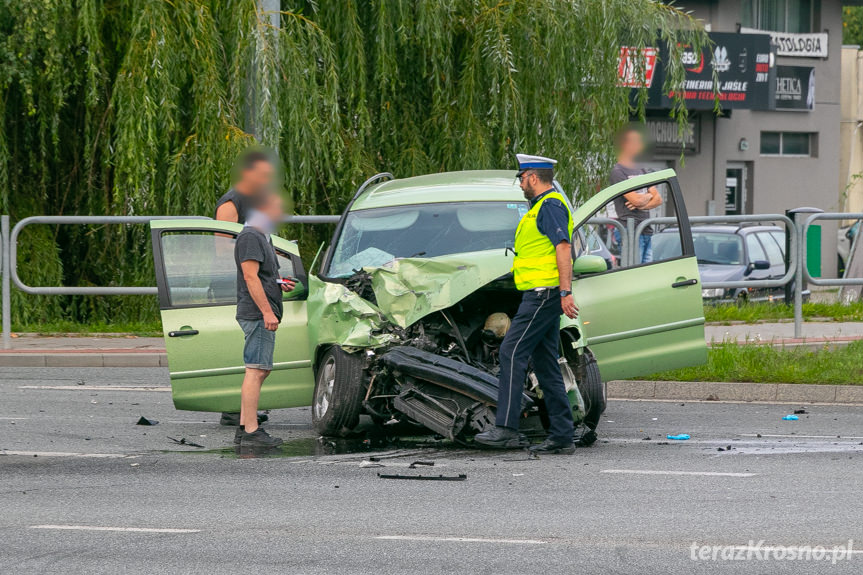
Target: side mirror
588,264
759,265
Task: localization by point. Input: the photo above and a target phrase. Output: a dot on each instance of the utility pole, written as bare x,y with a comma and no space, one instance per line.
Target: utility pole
269,14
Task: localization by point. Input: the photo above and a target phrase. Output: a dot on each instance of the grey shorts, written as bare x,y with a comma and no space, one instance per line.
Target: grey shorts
260,344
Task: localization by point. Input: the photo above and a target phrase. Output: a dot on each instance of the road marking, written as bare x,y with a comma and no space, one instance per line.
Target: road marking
98,387
790,436
63,454
118,529
695,473
460,539
13,418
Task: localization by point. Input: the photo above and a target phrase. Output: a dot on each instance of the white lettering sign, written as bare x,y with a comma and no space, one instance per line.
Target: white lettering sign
790,44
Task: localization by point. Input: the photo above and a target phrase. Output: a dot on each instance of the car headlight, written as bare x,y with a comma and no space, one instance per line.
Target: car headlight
715,292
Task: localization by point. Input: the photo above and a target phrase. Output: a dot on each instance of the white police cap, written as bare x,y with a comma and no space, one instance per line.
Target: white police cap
526,162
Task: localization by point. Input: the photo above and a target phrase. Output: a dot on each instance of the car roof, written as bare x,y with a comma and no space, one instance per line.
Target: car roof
730,229
465,186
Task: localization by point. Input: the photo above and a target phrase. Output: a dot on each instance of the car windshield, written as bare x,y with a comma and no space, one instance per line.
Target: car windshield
372,238
710,247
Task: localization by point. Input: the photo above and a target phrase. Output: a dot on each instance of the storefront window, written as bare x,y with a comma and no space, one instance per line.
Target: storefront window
794,16
786,144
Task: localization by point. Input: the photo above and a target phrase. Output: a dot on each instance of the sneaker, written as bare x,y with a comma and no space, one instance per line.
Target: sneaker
553,447
241,429
259,438
587,439
502,438
232,419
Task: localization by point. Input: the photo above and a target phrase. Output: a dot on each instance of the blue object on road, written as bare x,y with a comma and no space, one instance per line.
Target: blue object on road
790,418
679,437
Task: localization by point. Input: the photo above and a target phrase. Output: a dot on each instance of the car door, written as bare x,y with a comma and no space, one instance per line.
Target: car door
197,284
643,317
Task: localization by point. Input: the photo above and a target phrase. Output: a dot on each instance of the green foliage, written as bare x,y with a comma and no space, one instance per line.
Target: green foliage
141,106
768,364
852,25
754,312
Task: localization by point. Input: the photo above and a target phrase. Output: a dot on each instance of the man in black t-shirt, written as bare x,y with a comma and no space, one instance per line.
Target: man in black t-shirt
259,311
254,178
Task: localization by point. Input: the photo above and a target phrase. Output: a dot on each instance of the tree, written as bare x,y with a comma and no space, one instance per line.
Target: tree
141,106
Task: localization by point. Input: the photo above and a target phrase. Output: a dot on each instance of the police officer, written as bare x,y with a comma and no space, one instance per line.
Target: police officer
543,271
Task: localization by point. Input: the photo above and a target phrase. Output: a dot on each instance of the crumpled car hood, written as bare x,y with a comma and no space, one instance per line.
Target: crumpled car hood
406,290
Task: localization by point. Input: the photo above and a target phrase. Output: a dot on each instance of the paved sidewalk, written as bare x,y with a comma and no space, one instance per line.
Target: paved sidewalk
31,350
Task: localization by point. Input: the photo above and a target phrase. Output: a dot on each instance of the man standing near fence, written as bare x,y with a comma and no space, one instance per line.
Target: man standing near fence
254,176
634,205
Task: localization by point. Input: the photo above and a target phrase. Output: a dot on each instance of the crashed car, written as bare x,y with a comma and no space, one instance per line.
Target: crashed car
403,318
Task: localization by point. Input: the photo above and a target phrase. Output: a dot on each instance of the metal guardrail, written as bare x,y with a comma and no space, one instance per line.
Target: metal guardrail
796,270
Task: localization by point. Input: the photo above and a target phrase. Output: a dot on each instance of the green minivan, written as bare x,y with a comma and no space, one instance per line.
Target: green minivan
403,317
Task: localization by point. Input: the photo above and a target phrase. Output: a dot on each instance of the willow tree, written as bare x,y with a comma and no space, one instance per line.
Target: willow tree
141,106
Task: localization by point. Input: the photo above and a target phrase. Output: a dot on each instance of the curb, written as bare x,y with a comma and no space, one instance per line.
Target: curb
728,391
119,358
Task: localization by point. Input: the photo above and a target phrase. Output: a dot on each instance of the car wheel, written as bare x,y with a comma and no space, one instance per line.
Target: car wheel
338,393
592,389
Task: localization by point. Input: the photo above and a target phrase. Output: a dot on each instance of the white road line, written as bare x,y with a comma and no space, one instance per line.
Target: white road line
118,529
98,387
794,436
660,472
13,418
460,539
64,454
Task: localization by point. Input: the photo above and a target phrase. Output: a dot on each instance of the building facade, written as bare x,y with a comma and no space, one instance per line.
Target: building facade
774,147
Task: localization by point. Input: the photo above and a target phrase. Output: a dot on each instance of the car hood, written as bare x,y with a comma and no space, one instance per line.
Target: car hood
719,273
403,291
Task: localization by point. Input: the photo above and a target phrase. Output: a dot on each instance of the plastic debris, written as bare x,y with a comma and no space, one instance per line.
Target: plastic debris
459,477
145,421
416,464
800,411
790,418
182,441
678,437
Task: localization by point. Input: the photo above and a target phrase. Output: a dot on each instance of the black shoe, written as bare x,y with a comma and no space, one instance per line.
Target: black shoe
231,419
587,439
502,438
241,429
553,446
259,438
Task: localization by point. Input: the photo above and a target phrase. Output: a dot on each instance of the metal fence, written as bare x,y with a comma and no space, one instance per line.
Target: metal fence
796,271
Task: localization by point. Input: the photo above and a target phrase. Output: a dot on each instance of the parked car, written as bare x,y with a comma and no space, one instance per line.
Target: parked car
404,318
730,253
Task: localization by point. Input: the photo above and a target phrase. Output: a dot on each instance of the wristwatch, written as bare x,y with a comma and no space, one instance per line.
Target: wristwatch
565,292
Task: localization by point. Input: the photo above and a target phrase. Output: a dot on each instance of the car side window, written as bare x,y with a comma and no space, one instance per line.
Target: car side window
656,242
199,268
774,253
753,246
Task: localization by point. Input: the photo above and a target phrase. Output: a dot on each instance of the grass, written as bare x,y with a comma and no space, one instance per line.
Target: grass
143,329
750,313
768,364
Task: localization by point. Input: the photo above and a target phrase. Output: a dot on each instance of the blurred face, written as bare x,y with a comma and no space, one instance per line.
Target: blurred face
632,145
272,208
259,178
528,182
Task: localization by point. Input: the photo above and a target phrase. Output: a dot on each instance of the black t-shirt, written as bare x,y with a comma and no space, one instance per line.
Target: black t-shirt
241,203
253,245
620,173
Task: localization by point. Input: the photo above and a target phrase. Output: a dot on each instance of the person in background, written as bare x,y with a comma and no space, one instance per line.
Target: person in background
259,310
254,176
635,205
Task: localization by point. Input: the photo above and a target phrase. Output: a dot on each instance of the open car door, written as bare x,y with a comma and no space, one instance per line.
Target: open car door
645,315
197,282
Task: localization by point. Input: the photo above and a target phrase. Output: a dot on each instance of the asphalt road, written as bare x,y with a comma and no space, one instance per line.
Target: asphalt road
85,490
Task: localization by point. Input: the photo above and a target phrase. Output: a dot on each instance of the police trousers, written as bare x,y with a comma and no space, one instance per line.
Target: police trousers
534,333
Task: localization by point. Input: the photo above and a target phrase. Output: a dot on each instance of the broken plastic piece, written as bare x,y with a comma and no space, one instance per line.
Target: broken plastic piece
459,477
415,464
145,421
790,418
800,411
678,437
182,441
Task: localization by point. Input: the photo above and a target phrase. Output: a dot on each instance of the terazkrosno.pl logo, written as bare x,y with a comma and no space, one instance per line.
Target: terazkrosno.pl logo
759,551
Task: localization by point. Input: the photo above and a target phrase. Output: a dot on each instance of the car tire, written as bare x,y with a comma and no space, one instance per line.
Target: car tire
338,394
592,389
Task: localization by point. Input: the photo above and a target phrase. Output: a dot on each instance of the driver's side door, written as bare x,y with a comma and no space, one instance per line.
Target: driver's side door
197,284
645,316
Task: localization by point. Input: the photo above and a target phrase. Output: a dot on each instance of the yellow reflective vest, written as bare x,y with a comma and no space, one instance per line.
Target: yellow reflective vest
535,263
